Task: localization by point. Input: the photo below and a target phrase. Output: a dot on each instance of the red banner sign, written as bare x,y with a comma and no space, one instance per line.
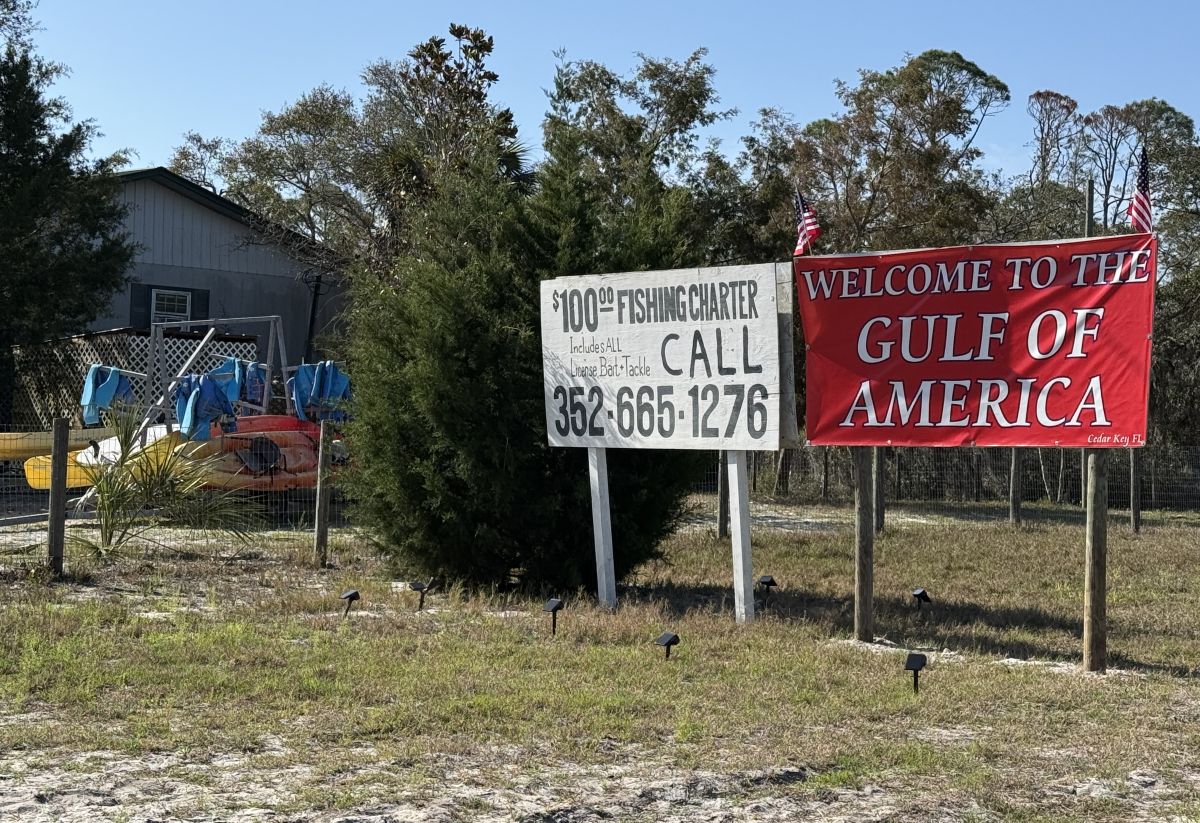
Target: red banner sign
1030,344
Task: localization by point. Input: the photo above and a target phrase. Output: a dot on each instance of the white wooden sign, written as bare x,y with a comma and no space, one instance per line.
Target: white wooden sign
680,359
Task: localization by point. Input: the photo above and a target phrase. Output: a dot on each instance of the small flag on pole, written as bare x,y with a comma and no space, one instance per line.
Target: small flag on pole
807,227
1139,206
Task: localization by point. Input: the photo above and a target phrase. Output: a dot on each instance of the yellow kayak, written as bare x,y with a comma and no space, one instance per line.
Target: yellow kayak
83,464
24,445
255,459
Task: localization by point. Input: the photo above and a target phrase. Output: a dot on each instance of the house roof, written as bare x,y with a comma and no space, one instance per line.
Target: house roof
181,185
211,200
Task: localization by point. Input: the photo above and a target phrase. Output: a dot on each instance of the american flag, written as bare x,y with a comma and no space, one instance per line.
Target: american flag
1139,207
807,227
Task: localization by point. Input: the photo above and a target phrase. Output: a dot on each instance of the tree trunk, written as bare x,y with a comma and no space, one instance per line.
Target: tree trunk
1014,488
879,478
1153,482
1083,477
8,379
783,472
1135,490
1062,476
1045,477
824,474
977,474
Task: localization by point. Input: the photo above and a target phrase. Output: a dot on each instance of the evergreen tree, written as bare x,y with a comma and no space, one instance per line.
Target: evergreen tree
454,472
63,249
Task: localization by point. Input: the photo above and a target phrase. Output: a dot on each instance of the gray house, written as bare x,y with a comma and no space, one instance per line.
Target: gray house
201,257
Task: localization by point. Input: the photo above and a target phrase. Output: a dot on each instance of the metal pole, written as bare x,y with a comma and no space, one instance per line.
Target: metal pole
864,545
57,523
269,377
321,529
312,317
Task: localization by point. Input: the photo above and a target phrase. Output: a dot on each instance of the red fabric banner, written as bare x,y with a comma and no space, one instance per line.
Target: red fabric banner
1022,344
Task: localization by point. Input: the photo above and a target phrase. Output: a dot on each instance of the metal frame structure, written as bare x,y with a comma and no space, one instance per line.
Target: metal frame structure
276,352
156,365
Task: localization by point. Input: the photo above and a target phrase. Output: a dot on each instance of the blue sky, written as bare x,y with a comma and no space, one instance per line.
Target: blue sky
148,70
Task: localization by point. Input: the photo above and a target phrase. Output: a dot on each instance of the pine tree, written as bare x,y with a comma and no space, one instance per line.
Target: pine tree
63,248
454,474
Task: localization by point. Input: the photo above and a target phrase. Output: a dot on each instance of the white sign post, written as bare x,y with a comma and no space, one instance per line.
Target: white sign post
680,359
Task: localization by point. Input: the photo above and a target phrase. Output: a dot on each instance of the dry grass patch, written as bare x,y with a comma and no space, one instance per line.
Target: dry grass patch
244,665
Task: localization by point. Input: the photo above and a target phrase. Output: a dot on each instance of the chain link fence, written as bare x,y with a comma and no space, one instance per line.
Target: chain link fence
134,485
121,510
257,486
1169,477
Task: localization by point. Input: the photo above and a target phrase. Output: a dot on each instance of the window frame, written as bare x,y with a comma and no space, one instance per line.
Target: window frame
169,317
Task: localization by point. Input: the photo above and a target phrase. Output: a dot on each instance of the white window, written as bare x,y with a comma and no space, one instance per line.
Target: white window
167,306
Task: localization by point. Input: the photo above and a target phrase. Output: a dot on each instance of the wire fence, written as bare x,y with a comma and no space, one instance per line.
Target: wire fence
170,496
1169,476
134,484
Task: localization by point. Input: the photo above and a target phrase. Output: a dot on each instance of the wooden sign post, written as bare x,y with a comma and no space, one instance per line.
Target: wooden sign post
739,522
864,546
606,578
1014,345
1095,583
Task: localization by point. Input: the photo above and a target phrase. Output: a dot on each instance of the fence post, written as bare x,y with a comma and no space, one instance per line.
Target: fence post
57,524
321,526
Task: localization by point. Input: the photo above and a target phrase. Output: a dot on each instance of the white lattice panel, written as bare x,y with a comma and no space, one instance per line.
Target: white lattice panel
50,377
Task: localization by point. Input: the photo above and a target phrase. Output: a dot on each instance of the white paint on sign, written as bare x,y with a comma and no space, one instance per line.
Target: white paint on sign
681,359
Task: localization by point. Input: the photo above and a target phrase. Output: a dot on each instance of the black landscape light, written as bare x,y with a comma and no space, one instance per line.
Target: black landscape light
553,605
767,582
921,596
349,597
914,664
419,587
667,640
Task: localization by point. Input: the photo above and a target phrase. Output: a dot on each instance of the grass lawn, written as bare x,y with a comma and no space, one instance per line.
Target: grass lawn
176,686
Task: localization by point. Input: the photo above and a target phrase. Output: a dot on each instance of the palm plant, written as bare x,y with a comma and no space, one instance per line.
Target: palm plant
161,484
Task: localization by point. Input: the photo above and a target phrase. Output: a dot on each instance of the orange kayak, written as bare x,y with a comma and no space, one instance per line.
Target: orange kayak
260,461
